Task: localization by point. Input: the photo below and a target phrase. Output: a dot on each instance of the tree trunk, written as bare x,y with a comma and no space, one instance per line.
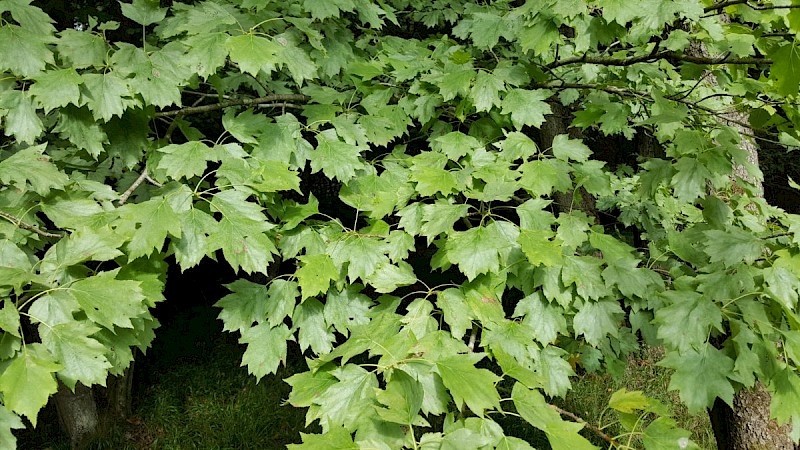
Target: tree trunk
747,425
118,395
89,412
555,124
77,412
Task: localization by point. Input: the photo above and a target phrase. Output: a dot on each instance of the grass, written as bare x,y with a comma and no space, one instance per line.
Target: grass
192,394
591,392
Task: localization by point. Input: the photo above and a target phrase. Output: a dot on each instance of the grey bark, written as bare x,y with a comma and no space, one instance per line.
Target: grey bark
89,412
555,124
746,425
77,412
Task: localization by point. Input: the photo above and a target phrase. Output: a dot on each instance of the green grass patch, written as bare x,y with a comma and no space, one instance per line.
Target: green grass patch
591,392
193,394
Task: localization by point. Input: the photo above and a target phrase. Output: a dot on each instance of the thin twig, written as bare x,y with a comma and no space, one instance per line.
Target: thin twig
633,93
144,176
280,104
152,181
171,128
237,102
606,61
721,5
26,226
578,419
650,57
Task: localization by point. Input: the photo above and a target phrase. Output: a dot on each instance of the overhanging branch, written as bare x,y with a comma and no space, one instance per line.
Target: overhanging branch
721,5
625,92
664,55
284,100
26,226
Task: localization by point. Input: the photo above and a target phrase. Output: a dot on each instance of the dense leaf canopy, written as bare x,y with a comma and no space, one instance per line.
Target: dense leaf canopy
442,256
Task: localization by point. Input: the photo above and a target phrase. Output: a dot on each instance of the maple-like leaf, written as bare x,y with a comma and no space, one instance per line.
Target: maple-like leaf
350,400
30,168
455,311
663,434
207,52
539,248
485,91
108,94
57,88
363,255
785,390
241,232
148,224
21,120
192,246
565,149
388,277
337,438
107,301
402,399
541,178
266,348
315,274
144,12
785,72
456,144
468,384
715,367
687,320
28,381
545,320
253,53
562,435
517,145
732,247
455,83
9,421
23,51
595,320
335,158
245,305
82,357
347,308
526,107
479,249
81,49
185,160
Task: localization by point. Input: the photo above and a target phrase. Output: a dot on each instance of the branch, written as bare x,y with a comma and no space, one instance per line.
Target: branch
597,430
712,61
653,56
725,4
633,93
606,61
26,226
281,105
144,176
276,99
721,5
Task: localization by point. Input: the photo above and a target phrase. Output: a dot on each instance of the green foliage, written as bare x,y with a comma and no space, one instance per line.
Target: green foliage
104,176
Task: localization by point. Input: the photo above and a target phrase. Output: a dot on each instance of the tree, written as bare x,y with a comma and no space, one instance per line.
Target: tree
523,189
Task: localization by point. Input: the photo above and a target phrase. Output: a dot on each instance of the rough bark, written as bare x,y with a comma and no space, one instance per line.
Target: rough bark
746,425
555,124
77,412
89,412
118,395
